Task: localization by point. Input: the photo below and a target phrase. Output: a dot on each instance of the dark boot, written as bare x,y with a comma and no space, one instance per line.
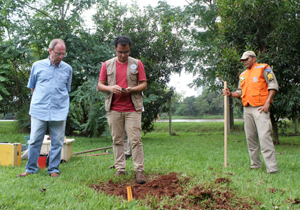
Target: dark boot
140,178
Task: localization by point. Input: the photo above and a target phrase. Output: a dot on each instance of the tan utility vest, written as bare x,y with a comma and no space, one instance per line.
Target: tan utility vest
254,86
132,81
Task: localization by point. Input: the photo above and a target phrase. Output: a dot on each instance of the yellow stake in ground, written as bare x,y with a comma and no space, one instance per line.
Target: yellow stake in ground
129,193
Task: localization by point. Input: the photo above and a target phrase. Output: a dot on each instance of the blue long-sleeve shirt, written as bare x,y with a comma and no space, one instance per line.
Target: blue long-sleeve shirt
52,84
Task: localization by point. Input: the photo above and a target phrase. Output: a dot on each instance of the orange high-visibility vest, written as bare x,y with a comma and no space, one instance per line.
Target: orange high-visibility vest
254,86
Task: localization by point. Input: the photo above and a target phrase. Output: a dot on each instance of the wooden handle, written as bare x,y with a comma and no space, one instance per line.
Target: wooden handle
225,126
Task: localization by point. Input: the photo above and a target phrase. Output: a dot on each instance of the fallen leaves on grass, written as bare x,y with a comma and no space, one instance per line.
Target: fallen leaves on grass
222,180
293,201
256,202
296,201
273,190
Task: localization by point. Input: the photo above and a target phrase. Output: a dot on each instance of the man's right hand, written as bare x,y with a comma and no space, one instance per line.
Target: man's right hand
116,89
226,92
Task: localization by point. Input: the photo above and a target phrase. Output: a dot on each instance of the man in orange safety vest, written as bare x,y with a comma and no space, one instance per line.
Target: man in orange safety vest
257,87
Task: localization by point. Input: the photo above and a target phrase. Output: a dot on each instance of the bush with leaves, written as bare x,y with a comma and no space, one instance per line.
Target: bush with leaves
87,114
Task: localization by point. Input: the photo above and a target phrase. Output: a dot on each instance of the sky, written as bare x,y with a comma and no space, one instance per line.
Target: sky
179,82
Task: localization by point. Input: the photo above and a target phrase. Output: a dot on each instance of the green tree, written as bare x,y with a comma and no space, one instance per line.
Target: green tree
270,28
2,87
188,107
87,111
29,29
202,106
209,102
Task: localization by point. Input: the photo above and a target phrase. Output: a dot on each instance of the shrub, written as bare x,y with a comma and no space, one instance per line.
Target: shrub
87,115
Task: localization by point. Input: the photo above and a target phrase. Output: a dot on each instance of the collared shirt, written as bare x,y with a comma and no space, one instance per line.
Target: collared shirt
52,84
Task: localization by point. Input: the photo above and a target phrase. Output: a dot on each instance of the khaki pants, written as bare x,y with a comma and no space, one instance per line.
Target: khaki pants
127,145
258,125
131,122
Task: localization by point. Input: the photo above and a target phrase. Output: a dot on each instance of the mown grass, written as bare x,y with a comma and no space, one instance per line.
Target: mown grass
197,151
165,116
193,127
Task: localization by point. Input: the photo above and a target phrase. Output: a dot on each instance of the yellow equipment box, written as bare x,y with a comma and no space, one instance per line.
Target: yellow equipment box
10,154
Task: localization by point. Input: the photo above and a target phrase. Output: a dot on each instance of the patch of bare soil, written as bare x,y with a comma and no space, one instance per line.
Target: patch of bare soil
171,192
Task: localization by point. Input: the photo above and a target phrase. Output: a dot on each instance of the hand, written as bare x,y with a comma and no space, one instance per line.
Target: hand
226,92
264,108
128,90
116,89
125,90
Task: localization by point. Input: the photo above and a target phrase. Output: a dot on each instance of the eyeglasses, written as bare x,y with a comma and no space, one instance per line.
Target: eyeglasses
121,52
59,54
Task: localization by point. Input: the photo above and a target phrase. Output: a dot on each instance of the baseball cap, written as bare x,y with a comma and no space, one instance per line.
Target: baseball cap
247,54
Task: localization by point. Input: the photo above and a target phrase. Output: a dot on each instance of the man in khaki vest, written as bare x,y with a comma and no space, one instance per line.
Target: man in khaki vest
123,79
257,87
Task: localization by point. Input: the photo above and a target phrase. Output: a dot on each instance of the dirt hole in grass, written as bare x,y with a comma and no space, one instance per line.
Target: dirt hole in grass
172,191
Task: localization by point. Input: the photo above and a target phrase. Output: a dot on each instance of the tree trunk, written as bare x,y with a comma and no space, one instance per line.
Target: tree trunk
231,112
170,117
17,89
296,123
275,129
275,134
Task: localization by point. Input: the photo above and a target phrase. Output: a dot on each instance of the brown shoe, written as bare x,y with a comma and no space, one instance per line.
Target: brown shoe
119,173
23,174
54,174
110,167
140,178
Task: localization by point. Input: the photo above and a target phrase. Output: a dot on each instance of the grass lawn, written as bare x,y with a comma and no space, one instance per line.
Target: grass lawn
196,151
165,116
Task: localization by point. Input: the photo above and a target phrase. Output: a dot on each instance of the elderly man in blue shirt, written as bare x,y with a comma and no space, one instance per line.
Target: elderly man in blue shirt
50,84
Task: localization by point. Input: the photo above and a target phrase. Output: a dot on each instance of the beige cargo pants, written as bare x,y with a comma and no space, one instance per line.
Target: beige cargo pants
131,122
127,145
258,125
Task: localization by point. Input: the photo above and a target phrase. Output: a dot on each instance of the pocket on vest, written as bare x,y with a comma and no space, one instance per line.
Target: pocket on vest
258,96
110,77
137,95
133,75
